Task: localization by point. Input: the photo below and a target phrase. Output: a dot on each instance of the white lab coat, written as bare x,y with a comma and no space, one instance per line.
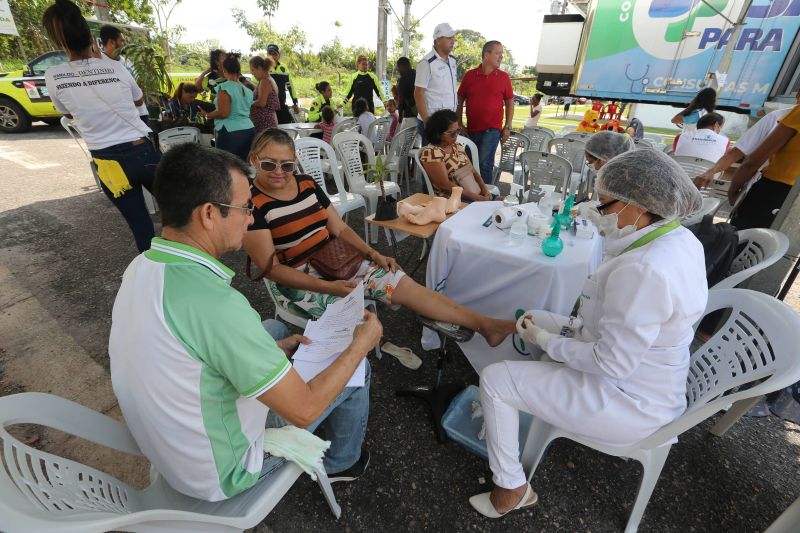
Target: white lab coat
624,372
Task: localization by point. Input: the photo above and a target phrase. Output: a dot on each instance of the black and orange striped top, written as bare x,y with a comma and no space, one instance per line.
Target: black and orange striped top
298,226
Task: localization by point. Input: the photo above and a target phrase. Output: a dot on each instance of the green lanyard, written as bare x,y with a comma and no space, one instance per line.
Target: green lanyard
653,235
638,243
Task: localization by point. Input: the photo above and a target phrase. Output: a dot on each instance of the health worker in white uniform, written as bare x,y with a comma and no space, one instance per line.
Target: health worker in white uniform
618,369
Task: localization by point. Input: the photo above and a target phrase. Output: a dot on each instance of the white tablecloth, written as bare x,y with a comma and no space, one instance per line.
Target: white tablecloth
477,267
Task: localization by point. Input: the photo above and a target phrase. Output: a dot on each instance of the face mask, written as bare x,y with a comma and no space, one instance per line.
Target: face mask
607,224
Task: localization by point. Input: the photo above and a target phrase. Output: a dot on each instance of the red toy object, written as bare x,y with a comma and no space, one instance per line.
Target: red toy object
611,109
613,125
597,105
589,123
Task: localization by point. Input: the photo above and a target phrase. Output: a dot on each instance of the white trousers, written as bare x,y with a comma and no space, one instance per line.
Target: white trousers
585,404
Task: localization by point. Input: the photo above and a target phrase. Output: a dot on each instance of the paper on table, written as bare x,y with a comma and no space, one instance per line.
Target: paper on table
330,335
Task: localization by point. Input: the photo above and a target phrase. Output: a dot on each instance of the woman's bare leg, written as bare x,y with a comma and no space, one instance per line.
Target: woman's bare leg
431,304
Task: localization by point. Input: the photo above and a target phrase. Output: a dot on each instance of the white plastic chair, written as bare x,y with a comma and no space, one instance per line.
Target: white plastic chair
69,125
763,248
397,155
380,129
300,116
694,166
348,147
309,152
579,135
566,129
574,151
40,491
175,136
757,345
301,321
788,520
470,145
710,206
538,138
545,168
346,124
509,156
643,143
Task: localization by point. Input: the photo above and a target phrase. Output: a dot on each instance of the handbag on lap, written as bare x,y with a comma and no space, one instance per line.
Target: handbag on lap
336,260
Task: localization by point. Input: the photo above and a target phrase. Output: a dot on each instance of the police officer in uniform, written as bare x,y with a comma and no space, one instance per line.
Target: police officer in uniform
281,76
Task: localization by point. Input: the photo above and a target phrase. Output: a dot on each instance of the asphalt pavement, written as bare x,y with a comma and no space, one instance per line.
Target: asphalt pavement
63,249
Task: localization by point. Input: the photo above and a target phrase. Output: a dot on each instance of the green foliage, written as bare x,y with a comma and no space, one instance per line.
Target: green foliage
269,7
415,47
28,18
377,172
149,69
192,57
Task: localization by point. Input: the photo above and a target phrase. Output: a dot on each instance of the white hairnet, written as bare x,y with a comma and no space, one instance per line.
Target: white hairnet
607,144
652,180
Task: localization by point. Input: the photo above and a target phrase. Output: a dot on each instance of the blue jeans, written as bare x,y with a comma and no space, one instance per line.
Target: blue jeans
344,422
139,164
236,142
487,141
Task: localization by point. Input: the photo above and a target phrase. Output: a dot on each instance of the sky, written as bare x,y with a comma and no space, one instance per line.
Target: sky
516,23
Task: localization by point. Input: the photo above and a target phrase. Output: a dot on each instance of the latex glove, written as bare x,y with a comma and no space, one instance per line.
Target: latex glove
532,333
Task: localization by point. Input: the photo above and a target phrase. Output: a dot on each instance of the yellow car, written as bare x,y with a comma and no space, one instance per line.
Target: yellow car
23,95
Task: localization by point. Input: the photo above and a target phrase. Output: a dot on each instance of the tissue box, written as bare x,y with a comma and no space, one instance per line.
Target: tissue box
463,429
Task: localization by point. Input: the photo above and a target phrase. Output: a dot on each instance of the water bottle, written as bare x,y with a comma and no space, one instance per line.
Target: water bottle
518,231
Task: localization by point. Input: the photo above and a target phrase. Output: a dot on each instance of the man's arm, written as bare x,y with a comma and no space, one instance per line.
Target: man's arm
419,98
302,403
460,112
506,133
774,142
705,179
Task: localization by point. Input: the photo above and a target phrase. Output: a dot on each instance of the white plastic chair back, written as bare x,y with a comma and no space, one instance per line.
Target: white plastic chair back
538,138
40,491
348,145
566,129
380,128
472,151
291,132
407,122
425,178
346,124
654,138
545,168
174,136
763,248
579,135
69,125
300,116
669,150
642,143
573,150
710,206
694,166
400,147
509,153
756,346
310,152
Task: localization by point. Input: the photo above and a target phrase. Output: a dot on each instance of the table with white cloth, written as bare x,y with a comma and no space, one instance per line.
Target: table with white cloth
303,129
478,267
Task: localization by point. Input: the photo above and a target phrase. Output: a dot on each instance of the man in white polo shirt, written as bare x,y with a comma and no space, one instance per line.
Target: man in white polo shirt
706,142
435,84
193,369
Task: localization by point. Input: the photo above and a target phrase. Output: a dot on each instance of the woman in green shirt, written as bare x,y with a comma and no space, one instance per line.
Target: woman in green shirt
233,127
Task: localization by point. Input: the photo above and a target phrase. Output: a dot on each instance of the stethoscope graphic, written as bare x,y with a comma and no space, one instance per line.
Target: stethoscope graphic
643,78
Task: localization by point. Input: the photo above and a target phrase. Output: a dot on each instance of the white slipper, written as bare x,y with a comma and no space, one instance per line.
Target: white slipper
406,357
483,504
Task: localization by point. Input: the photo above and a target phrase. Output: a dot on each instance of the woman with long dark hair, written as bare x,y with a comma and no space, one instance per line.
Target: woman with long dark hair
703,102
101,96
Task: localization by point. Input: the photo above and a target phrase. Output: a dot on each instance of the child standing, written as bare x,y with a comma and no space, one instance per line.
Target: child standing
391,108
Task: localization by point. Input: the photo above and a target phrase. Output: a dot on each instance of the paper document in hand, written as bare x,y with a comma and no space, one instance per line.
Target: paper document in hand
330,335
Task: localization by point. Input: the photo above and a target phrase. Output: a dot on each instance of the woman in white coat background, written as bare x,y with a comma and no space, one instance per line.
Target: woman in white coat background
619,367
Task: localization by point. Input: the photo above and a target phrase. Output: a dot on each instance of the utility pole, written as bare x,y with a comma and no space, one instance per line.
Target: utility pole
380,66
406,29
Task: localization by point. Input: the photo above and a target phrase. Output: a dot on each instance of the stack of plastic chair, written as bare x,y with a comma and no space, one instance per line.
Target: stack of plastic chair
544,168
509,157
574,151
538,138
398,153
380,128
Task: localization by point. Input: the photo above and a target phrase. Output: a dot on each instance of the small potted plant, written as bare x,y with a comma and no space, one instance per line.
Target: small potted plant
387,205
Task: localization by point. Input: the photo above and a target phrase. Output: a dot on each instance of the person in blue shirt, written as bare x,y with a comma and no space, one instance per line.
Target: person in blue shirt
703,102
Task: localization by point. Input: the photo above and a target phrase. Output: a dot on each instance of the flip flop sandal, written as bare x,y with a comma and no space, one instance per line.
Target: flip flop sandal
406,357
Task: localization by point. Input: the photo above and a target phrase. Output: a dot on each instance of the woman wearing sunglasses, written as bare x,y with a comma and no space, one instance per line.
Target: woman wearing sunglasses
617,368
447,163
294,219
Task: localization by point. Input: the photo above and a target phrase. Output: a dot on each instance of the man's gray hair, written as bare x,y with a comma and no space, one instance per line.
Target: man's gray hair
487,48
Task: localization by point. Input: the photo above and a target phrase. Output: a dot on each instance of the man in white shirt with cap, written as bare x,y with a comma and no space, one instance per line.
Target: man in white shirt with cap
435,85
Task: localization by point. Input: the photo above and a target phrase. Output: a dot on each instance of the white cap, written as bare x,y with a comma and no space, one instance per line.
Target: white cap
444,30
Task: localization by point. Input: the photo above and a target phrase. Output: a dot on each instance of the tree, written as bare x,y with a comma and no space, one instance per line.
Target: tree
167,35
467,50
269,7
415,49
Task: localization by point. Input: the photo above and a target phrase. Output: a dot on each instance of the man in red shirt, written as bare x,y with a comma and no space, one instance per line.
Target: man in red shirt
487,91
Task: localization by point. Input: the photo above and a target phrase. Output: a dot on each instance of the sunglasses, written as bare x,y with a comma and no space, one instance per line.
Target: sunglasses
269,165
248,209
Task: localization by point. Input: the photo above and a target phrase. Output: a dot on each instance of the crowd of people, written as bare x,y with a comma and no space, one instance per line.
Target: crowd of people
618,366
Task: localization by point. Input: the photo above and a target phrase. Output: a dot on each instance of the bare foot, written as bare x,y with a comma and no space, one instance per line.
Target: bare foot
504,500
495,331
